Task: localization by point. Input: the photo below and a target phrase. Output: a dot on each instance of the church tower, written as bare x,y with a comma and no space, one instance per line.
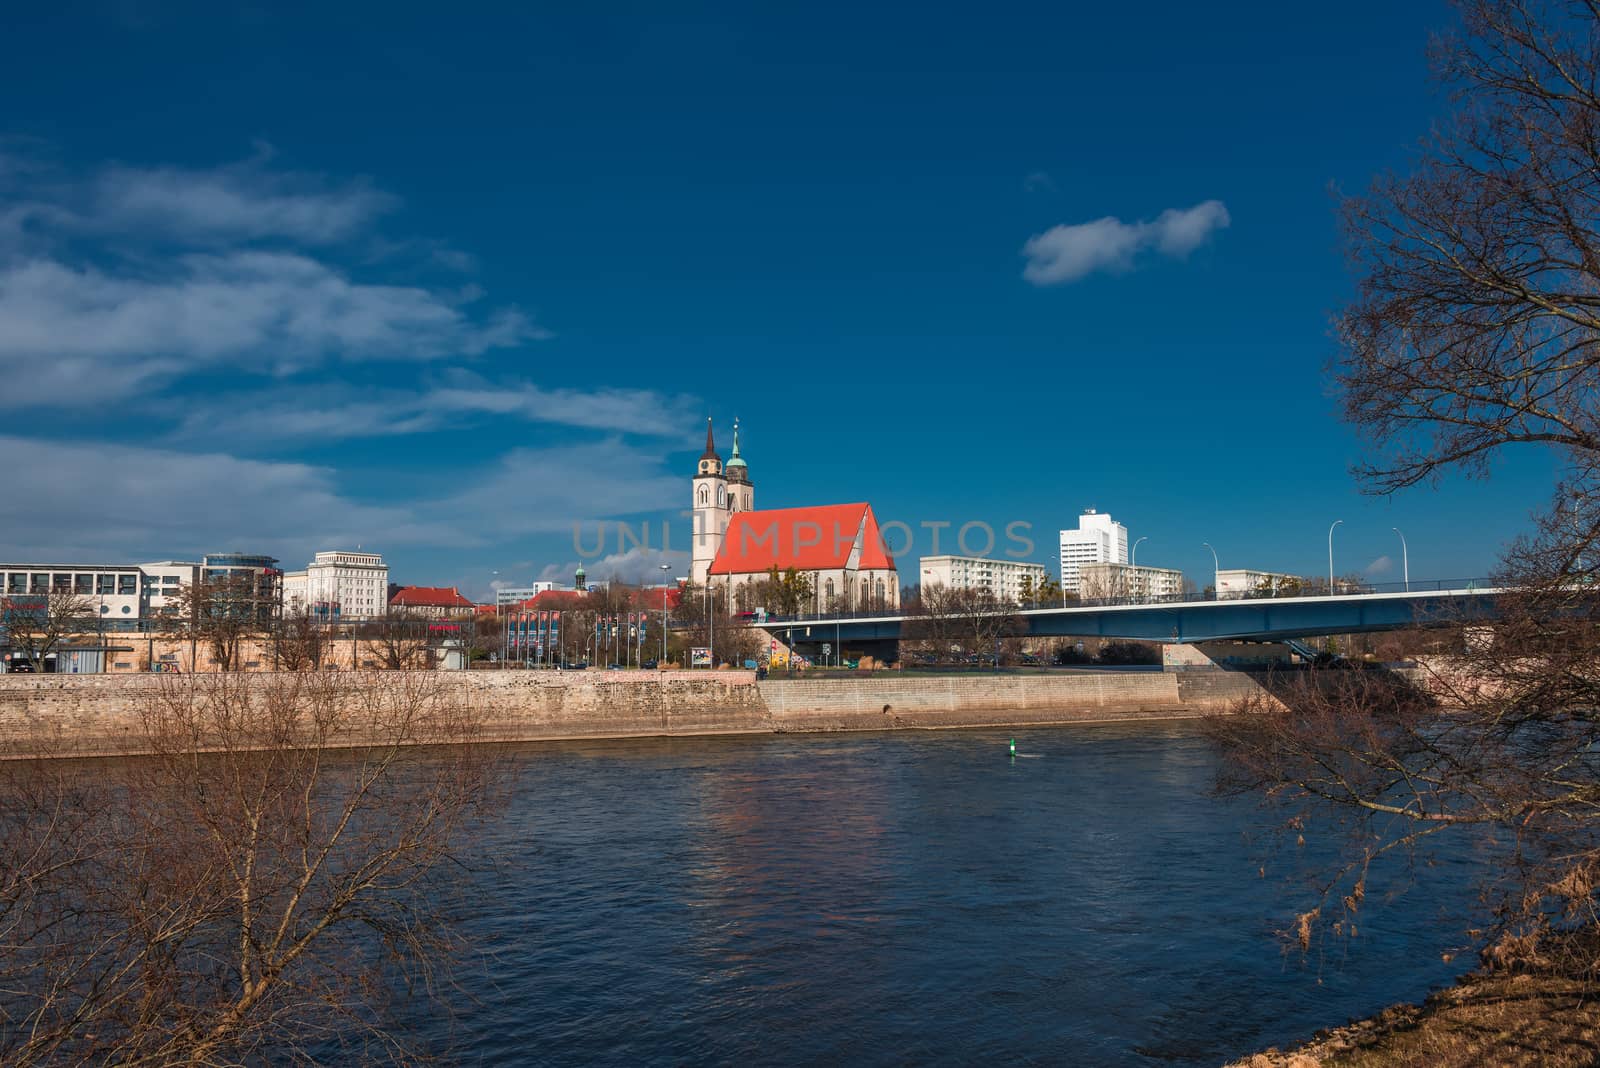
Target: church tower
710,507
741,491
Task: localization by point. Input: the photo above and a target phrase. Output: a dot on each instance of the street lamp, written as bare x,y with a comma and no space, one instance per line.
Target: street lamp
1405,559
1134,562
664,569
1216,572
1336,522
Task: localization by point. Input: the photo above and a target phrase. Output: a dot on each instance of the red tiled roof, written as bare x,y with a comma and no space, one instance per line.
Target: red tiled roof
807,539
430,597
549,599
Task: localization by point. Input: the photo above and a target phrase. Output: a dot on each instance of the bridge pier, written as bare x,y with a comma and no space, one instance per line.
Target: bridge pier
1176,656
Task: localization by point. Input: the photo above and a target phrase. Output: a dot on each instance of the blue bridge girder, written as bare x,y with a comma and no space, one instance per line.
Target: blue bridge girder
1244,619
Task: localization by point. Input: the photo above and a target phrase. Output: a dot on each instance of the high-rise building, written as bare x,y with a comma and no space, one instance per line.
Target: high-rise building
339,585
1098,540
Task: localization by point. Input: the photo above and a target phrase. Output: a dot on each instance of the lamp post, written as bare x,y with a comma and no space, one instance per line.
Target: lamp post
1336,522
664,569
1133,563
1216,572
1405,560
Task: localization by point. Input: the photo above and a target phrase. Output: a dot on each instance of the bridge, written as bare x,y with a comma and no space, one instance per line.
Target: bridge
1264,619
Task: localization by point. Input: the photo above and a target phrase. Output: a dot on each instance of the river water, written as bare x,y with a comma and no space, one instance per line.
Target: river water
910,898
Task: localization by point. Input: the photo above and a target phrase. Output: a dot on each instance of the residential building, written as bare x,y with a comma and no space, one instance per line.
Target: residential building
436,601
1006,579
518,594
1244,582
338,585
1111,581
1098,540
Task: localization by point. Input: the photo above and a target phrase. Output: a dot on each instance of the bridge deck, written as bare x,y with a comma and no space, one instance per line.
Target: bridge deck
1259,619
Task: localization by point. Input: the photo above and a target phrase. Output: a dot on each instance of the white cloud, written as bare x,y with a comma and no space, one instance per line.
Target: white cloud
262,311
137,275
332,413
153,503
1383,565
1038,182
639,566
1069,252
244,202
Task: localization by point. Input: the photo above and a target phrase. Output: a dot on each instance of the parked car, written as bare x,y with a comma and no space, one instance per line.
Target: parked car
649,665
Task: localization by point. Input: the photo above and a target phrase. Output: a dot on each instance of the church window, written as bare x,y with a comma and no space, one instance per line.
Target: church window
881,601
704,496
720,493
830,590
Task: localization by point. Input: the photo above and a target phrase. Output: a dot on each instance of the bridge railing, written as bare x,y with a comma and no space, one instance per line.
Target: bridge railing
1311,589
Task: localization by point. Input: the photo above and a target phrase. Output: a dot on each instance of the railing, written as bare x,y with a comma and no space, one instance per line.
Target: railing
1309,590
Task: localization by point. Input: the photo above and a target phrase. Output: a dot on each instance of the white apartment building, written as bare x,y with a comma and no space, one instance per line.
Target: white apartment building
519,594
1098,540
1003,578
1110,581
1244,581
338,585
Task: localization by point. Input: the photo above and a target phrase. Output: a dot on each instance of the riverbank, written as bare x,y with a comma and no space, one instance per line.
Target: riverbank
1537,1021
97,715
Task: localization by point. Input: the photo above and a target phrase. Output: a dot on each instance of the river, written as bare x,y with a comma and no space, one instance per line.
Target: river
910,898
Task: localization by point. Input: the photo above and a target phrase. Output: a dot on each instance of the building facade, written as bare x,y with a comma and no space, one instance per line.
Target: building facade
1110,581
1008,580
518,594
1246,582
717,494
438,602
338,585
837,547
1098,540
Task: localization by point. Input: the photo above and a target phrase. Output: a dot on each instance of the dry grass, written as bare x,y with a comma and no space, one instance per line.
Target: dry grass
1517,1020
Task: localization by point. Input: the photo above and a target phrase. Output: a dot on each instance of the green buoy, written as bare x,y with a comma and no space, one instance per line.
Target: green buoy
1013,747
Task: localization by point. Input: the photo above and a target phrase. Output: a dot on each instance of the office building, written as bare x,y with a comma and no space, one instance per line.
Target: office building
1098,540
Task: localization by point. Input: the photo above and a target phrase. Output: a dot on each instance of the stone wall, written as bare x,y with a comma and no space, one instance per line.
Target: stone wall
98,714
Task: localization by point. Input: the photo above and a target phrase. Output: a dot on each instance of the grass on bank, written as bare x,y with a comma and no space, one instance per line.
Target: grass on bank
1487,1019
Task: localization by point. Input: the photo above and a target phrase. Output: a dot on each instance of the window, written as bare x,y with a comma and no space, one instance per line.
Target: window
61,583
105,584
704,495
83,584
16,582
127,583
41,583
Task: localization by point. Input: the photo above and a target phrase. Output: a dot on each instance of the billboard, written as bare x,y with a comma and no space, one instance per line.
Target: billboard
700,657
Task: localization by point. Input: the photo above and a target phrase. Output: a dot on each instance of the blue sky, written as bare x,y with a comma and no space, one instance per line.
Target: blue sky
442,282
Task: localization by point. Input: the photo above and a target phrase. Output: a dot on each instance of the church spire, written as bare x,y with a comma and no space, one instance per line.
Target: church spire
711,445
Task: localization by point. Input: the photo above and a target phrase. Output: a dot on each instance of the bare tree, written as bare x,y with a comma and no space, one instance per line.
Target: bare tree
250,888
399,638
38,625
1476,327
220,613
949,621
301,644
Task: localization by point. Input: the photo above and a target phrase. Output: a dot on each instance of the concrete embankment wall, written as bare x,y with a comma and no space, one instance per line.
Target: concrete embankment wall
99,714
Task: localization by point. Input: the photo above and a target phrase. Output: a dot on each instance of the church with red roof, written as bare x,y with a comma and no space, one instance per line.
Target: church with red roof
839,547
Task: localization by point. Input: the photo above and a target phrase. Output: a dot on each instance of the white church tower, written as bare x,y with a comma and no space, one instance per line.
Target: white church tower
718,493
